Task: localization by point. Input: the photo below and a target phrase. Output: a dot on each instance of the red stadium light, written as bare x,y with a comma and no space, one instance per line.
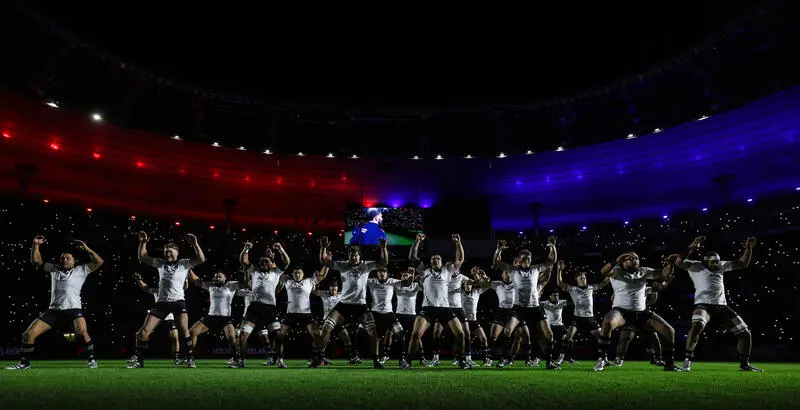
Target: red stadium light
6,134
183,171
247,178
313,183
344,177
177,223
244,229
46,201
133,217
212,227
55,147
96,155
88,209
216,174
140,164
369,204
309,234
275,232
340,235
280,180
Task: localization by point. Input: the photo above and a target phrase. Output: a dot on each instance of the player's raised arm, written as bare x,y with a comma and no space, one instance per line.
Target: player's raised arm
747,255
142,253
196,281
497,260
608,269
413,253
694,248
95,261
384,261
36,254
244,255
141,283
324,259
560,265
284,256
199,256
459,252
322,274
552,256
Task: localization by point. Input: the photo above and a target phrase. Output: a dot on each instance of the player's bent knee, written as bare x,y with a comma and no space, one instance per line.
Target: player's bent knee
247,329
274,326
741,330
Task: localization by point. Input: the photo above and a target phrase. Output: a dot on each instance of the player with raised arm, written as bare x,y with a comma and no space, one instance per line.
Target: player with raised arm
629,281
470,296
172,274
354,273
526,278
66,281
455,300
264,281
382,289
221,293
504,316
583,320
553,310
298,312
709,300
330,298
169,323
435,306
628,332
407,290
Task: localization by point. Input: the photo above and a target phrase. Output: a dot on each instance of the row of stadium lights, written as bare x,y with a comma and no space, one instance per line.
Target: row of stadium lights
211,227
98,117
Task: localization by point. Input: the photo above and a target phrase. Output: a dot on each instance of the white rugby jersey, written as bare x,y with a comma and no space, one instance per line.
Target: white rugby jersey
454,291
264,284
407,297
526,283
154,292
435,286
299,293
354,280
171,278
382,294
506,294
247,294
65,286
329,302
629,288
708,285
583,299
553,312
470,304
221,297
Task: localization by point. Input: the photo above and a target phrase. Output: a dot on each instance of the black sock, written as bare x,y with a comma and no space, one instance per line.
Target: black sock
141,351
744,360
89,346
487,353
669,359
690,355
176,356
189,348
565,349
602,347
25,354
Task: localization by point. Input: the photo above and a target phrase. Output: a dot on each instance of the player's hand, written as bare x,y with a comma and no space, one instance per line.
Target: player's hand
750,243
39,239
516,262
420,237
561,265
502,244
411,271
191,239
328,257
673,258
248,245
143,237
697,241
551,241
81,245
277,246
382,242
137,276
456,238
324,242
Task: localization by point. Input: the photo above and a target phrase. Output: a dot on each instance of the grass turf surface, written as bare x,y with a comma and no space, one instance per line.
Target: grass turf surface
69,384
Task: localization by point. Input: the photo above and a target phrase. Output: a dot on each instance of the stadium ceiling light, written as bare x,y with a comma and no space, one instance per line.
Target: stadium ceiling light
702,117
177,137
354,156
529,152
415,157
266,151
657,130
97,117
215,144
330,155
52,104
560,149
242,148
502,155
468,156
299,154
630,136
439,157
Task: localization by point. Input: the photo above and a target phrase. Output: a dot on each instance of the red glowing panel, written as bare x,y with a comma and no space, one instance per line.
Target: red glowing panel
133,217
55,147
309,234
275,232
344,177
140,164
183,171
177,223
96,155
313,183
216,174
88,209
247,178
280,180
340,234
212,227
244,229
6,134
369,204
46,201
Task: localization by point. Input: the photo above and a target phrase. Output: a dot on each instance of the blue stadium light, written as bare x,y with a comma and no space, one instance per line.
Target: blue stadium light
749,200
664,216
626,223
704,209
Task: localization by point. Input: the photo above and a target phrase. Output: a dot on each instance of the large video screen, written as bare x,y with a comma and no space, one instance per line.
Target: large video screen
364,226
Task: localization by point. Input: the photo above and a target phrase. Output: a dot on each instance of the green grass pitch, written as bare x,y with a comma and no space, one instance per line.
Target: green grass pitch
68,384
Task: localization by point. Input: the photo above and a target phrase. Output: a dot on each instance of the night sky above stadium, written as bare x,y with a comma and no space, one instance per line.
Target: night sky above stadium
396,58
